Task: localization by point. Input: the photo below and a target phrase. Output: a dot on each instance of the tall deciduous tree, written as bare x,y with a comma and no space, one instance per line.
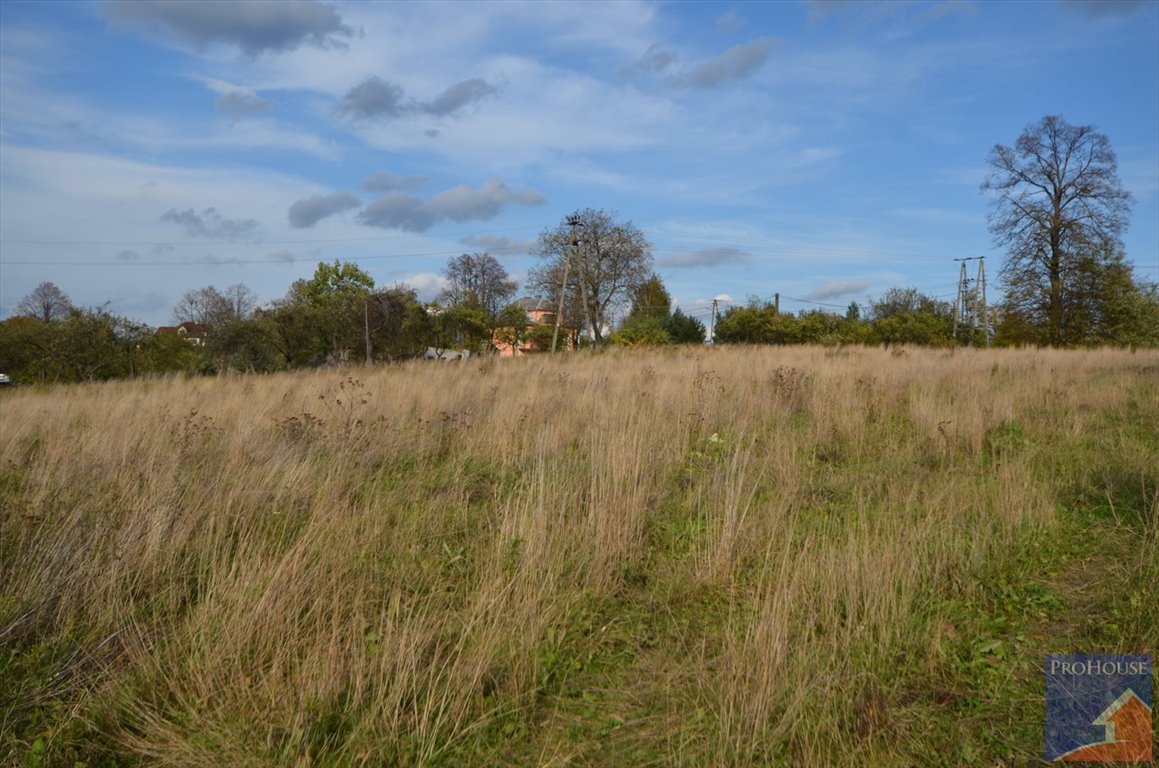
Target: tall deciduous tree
1060,211
324,319
46,302
609,260
477,279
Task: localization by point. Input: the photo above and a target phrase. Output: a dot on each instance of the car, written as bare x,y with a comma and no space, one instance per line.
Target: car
4,380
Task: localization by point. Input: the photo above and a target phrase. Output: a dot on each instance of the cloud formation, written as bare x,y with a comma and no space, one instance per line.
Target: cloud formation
458,96
462,203
385,181
427,285
498,245
254,26
306,213
736,63
654,61
375,98
705,257
242,102
209,223
835,289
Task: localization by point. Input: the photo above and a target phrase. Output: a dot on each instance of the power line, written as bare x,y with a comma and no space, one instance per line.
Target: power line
177,243
215,262
818,303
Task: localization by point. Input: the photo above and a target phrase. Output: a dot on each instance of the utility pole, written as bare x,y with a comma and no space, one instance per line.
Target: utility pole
776,303
366,326
573,222
966,303
712,323
982,287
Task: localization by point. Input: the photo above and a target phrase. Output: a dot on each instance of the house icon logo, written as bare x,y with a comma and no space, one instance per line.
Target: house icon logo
1099,708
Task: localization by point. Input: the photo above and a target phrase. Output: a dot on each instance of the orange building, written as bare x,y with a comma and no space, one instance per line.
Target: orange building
535,336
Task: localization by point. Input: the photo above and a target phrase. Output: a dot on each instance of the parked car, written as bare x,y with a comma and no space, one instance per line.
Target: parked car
4,380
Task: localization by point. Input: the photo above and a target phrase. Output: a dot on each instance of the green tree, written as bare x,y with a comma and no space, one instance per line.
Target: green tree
400,326
1060,211
460,327
683,329
159,353
26,349
642,331
757,322
750,324
512,328
908,316
816,326
650,299
323,319
93,344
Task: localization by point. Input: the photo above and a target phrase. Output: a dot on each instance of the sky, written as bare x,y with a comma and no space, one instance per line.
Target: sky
824,151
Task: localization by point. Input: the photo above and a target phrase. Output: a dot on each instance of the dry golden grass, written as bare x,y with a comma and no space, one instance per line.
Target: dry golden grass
681,557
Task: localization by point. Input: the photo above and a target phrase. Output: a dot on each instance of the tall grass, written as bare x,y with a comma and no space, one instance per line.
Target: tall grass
680,557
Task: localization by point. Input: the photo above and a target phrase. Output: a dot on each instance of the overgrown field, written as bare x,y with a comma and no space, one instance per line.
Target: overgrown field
737,556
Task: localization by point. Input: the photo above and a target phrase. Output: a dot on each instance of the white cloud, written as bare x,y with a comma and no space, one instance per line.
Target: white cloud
427,285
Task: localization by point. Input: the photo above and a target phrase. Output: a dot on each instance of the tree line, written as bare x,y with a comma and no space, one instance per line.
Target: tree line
1058,209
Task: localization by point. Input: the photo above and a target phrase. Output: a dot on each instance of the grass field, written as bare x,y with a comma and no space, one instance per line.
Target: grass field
741,556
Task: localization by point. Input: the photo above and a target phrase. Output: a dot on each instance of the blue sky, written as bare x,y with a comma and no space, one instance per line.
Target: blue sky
823,150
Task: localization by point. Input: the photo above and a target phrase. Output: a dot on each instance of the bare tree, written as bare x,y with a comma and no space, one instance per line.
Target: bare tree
240,301
209,306
609,260
1059,209
46,302
478,279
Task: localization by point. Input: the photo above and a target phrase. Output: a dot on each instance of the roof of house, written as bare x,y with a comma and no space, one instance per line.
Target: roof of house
533,304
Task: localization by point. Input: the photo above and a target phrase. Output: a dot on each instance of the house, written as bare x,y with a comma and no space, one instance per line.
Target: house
194,333
536,334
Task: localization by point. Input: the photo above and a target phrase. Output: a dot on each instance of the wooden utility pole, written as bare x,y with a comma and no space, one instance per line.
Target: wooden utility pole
366,326
573,222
